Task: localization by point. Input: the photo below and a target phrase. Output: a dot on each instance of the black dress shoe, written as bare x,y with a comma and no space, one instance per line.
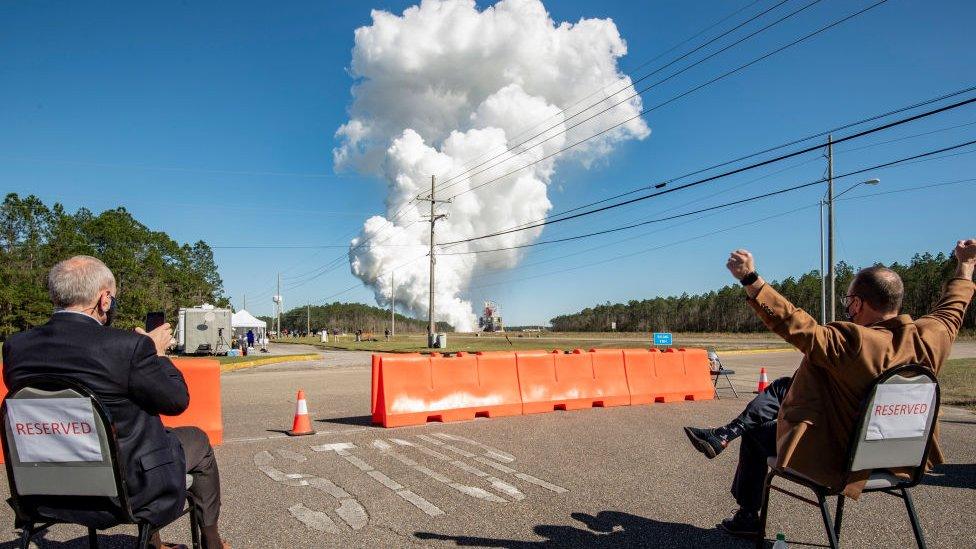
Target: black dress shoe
706,441
743,524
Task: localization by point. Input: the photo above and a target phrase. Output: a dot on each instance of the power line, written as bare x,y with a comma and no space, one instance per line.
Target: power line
643,223
727,173
642,78
662,104
771,149
647,250
719,206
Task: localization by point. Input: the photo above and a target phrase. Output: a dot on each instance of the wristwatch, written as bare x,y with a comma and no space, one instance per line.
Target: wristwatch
749,279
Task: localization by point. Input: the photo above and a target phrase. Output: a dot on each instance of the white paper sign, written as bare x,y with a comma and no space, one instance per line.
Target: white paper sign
54,429
900,410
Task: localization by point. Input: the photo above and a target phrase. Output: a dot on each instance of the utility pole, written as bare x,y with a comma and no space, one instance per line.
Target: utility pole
392,306
831,273
308,319
278,308
823,276
431,325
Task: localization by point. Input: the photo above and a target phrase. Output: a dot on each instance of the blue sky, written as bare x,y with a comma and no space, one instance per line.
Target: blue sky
216,123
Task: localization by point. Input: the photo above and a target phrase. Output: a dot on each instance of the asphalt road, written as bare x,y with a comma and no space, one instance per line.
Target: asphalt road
614,477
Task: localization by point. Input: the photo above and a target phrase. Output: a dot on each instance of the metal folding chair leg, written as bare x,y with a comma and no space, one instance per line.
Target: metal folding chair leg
92,538
839,515
913,517
25,535
764,512
194,530
145,533
828,524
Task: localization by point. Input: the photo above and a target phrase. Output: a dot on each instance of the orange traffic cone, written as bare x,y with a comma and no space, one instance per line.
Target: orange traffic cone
763,381
302,424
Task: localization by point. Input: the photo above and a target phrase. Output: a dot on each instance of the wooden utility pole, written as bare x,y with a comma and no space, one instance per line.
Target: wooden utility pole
392,306
308,319
431,325
831,272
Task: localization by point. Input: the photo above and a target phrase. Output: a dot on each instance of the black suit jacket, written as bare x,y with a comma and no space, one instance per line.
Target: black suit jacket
134,385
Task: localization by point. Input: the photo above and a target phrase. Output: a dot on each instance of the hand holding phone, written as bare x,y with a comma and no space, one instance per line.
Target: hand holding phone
155,320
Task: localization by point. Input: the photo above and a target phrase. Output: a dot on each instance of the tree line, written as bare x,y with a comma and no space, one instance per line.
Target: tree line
153,272
725,310
349,317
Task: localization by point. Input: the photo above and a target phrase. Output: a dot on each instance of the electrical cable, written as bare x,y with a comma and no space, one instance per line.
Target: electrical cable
719,206
764,151
630,84
728,173
662,104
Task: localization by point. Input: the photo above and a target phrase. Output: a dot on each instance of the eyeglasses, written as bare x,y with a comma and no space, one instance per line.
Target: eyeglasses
848,299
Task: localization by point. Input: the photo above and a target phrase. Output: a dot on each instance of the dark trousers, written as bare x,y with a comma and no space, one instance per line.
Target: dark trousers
758,444
202,466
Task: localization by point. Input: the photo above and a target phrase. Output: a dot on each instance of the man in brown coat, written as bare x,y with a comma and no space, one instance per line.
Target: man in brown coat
806,421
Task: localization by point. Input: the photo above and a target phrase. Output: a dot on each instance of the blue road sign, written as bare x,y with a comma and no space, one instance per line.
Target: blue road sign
663,338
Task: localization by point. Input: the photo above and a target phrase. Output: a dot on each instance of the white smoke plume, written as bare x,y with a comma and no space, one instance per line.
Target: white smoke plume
445,86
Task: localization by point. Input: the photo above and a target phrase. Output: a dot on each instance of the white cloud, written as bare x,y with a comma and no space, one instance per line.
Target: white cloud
444,84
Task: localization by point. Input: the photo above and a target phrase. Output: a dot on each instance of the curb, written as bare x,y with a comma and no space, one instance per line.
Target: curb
264,361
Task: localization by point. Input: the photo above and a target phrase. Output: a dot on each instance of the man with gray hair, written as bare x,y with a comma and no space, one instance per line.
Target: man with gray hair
130,374
806,420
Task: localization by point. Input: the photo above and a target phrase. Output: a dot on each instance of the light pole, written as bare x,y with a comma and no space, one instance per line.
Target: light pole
828,200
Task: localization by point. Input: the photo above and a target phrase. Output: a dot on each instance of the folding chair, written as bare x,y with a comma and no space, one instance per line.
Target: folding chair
873,450
717,371
94,473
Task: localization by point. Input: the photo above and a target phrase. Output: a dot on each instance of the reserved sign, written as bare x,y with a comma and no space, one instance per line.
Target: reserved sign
54,430
900,410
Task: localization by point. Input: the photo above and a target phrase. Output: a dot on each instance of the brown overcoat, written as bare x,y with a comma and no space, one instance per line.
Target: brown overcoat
841,360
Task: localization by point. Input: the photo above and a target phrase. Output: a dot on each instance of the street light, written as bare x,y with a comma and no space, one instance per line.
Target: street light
827,200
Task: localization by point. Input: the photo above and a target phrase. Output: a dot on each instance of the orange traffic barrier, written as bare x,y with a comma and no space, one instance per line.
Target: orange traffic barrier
668,376
202,377
413,390
610,377
641,368
558,381
698,383
374,396
301,424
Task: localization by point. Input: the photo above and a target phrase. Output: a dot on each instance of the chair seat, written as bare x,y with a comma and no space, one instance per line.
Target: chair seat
879,479
723,372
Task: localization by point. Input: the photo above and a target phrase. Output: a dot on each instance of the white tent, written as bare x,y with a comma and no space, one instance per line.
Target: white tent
242,321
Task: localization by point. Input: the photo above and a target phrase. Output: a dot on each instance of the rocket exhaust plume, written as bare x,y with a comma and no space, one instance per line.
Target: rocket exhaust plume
445,86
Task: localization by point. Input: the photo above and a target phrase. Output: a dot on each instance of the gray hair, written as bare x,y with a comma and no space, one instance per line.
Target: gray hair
77,280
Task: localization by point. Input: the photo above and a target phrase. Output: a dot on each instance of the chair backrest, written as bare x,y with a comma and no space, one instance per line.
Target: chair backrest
59,441
896,425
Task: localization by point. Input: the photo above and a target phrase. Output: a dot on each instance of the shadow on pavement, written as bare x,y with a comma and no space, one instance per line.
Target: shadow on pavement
952,475
359,421
607,529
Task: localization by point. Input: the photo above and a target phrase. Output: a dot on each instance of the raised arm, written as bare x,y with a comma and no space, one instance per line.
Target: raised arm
824,345
951,308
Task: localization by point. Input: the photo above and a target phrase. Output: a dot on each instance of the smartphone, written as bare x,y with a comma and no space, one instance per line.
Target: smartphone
155,320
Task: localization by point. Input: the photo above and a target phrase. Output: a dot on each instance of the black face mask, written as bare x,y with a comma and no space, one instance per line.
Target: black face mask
110,313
